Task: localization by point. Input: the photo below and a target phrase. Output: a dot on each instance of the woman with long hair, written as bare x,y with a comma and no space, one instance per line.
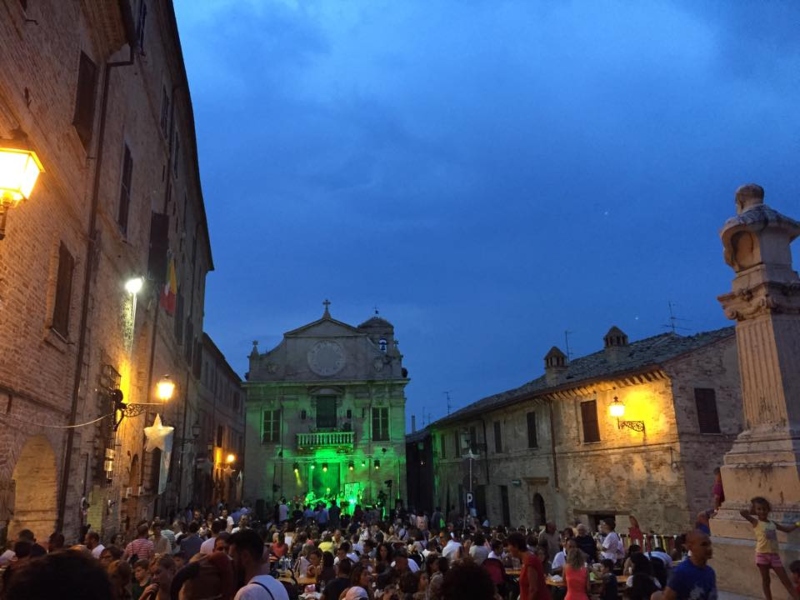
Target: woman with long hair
576,576
531,578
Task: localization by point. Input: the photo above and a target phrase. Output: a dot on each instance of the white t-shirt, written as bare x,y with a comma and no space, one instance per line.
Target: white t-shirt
207,547
612,547
253,591
98,550
451,549
479,553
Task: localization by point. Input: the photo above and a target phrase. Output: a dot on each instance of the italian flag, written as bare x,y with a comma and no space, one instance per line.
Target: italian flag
170,292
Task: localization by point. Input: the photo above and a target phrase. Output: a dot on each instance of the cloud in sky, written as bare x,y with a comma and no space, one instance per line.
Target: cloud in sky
489,173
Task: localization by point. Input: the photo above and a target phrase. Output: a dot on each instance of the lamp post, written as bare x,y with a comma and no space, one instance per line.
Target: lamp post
617,410
19,170
165,388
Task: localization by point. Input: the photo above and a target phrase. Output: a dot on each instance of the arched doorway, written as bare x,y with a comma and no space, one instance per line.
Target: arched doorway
35,489
539,514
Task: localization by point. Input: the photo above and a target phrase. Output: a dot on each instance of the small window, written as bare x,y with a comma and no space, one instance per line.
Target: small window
83,119
380,424
63,300
220,435
188,347
456,444
532,440
443,445
176,154
473,440
125,190
591,428
165,103
707,416
272,427
498,439
237,402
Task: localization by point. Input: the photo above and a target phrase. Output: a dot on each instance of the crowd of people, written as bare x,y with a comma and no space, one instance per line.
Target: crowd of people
322,552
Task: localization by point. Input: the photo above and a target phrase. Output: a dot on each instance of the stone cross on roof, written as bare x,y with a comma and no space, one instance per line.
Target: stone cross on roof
326,304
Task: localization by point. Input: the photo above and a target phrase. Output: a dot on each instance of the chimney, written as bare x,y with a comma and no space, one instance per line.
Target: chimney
616,344
413,423
555,366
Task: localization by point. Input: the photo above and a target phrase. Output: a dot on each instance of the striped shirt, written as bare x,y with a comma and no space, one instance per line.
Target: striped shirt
141,548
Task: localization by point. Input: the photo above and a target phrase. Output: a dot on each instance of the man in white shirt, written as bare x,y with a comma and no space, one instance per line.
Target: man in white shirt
246,551
92,541
452,550
207,547
560,559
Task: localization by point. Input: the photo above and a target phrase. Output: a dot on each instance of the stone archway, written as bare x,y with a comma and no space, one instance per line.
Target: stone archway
35,489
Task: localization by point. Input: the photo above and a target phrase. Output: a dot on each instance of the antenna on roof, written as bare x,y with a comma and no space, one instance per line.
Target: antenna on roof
566,343
447,395
673,326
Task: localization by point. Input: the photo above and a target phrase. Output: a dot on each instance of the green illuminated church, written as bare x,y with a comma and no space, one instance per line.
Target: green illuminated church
326,416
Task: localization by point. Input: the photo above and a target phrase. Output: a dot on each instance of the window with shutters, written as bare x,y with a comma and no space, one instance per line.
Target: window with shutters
707,416
63,299
456,444
326,412
498,439
125,190
533,442
272,427
443,446
591,428
83,118
380,424
220,435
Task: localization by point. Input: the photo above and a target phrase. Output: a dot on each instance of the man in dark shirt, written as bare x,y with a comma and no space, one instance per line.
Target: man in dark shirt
191,543
335,588
693,578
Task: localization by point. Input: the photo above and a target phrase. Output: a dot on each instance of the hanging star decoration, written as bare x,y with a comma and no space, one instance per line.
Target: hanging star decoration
158,436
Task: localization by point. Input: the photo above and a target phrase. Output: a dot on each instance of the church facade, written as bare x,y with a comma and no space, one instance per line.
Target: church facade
326,416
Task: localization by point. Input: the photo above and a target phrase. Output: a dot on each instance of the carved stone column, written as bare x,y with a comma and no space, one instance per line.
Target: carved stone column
765,459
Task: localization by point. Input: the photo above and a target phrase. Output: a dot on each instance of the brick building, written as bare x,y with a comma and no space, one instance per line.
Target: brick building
221,439
551,449
99,91
326,415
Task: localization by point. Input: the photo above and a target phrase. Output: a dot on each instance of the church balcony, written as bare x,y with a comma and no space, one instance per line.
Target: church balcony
341,440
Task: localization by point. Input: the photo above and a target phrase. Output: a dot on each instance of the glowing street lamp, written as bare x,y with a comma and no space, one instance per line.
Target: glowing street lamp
164,391
165,388
617,410
19,170
134,286
230,459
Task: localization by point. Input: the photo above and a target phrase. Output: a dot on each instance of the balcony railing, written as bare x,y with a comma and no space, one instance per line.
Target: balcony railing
326,439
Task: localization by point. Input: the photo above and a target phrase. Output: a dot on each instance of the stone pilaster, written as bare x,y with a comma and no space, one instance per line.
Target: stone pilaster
765,459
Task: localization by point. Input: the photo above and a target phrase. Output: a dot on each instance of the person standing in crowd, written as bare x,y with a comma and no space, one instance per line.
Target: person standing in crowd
141,578
161,544
576,574
767,556
207,547
190,544
247,552
92,542
162,570
717,491
532,578
586,542
550,540
611,547
142,548
693,579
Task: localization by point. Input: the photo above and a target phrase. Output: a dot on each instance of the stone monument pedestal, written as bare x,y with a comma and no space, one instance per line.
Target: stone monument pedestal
765,459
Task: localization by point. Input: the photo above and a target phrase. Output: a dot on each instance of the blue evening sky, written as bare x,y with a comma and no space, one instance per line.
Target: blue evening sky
488,173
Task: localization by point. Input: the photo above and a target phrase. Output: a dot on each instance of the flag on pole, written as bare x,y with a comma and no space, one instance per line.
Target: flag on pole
170,292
